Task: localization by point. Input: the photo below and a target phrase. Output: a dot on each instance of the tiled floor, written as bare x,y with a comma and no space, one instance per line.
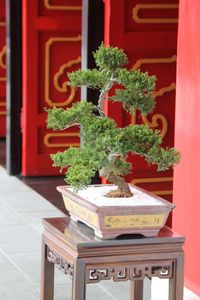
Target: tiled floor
21,213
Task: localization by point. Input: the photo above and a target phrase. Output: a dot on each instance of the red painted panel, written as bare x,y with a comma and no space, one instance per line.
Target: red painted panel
147,31
2,70
187,139
51,48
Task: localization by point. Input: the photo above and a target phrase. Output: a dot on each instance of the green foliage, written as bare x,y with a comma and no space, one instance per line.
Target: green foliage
138,86
110,58
105,146
59,118
94,78
138,139
82,162
132,100
163,158
138,92
135,79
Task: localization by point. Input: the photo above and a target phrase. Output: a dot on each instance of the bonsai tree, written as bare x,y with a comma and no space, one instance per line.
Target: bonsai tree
104,146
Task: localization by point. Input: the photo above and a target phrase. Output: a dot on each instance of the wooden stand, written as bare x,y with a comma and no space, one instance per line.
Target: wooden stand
75,250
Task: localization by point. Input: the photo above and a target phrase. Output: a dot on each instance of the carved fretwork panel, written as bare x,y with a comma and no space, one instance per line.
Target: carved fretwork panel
133,271
60,263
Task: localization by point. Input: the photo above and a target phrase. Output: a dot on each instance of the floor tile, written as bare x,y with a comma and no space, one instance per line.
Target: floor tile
40,184
93,292
189,295
4,208
2,170
38,228
14,286
29,263
9,217
119,290
62,292
159,287
19,238
26,201
35,217
5,264
9,184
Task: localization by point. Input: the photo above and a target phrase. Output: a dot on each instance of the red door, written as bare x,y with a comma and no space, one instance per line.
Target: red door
51,48
148,33
2,70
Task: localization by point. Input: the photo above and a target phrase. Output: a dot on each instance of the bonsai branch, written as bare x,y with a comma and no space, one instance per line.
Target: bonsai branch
102,95
70,125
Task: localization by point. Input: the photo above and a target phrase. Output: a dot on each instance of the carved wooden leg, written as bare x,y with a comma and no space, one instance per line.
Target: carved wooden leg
47,276
136,290
176,284
79,284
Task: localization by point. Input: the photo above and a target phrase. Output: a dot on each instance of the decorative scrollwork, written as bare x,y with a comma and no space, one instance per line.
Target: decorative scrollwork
2,62
59,262
63,88
131,272
155,123
48,5
49,136
2,56
154,6
154,60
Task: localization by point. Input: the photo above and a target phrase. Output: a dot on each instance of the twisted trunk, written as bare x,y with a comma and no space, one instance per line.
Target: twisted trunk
123,189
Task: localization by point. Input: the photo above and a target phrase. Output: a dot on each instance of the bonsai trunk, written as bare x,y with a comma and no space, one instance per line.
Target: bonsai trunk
123,189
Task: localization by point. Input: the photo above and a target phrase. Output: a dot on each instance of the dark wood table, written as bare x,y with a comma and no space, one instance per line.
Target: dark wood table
74,249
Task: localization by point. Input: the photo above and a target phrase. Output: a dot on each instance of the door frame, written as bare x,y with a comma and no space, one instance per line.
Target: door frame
13,86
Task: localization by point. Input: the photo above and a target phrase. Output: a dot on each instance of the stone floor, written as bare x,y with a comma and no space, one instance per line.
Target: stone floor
21,213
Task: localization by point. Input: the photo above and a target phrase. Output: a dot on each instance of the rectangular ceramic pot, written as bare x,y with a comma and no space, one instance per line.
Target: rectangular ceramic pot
143,213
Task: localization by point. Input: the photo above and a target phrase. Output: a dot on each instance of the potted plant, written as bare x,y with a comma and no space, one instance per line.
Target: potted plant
105,147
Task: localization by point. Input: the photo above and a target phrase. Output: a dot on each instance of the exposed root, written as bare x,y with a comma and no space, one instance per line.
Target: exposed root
118,194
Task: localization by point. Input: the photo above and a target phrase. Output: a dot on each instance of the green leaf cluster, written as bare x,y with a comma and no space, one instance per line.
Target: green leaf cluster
138,139
138,87
60,118
110,58
138,90
163,158
82,164
93,79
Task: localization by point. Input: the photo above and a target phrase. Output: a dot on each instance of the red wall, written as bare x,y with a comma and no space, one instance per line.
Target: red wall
186,217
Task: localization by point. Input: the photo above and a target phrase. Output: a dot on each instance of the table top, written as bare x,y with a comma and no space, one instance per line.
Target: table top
81,236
